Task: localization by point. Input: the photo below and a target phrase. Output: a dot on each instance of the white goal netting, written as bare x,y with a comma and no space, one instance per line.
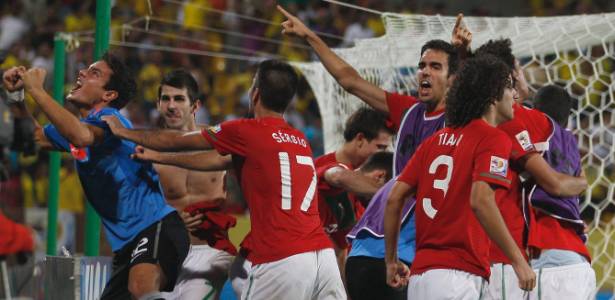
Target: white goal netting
577,52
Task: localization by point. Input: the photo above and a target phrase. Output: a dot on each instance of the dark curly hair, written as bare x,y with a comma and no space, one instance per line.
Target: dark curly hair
500,48
446,47
479,83
121,81
367,121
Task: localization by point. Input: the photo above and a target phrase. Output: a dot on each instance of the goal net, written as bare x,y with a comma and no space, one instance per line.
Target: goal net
576,52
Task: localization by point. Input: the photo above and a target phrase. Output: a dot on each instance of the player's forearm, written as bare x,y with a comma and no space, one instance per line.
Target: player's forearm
355,182
166,140
392,220
570,186
65,122
198,161
347,76
488,214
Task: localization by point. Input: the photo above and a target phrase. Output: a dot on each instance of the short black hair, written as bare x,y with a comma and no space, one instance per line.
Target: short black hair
446,47
554,101
479,83
180,79
367,121
500,48
277,83
121,81
381,160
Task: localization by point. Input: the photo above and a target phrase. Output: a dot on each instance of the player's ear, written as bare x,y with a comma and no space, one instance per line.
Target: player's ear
195,106
360,138
109,96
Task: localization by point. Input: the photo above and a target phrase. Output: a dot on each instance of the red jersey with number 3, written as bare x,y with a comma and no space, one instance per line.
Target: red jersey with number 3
277,176
448,234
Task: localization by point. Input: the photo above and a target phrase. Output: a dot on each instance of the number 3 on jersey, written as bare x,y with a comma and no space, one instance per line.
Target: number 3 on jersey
286,181
440,184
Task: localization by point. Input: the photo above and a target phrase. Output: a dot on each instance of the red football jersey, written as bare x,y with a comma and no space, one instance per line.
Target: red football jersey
339,210
448,235
277,176
528,128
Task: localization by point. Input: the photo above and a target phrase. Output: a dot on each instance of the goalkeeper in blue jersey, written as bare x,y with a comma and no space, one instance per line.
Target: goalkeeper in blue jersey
147,236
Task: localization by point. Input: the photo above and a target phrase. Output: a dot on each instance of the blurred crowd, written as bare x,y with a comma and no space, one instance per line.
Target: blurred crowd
218,41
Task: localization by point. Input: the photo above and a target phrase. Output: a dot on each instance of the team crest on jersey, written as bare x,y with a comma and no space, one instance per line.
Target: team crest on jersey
215,129
498,166
523,138
80,154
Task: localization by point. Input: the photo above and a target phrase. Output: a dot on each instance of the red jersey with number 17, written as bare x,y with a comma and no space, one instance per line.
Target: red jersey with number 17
448,234
276,172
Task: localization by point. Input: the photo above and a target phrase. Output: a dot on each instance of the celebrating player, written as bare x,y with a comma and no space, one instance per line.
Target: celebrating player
291,253
197,195
459,169
365,133
148,237
528,128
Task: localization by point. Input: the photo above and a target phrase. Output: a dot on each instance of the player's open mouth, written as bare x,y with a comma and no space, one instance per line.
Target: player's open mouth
77,86
424,87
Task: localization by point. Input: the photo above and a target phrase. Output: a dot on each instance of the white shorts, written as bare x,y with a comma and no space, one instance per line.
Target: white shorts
572,282
447,284
203,274
304,276
504,284
238,275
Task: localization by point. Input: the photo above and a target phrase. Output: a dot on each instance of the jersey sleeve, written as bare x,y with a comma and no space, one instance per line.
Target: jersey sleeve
411,172
522,143
228,137
96,121
397,105
491,160
55,138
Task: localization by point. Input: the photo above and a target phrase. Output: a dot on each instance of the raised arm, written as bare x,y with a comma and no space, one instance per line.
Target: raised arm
69,126
461,38
166,140
343,73
352,181
397,273
13,83
553,182
482,201
198,161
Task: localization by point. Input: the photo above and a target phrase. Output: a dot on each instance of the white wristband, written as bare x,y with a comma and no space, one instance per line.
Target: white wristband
16,96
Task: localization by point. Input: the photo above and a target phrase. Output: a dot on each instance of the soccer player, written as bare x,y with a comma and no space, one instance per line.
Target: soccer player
292,256
455,175
576,279
201,193
528,128
365,133
147,236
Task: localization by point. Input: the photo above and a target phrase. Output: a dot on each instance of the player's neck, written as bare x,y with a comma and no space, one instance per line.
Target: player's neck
434,106
261,112
345,154
491,116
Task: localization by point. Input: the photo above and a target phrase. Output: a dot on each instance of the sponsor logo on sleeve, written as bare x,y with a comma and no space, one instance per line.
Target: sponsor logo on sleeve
215,129
523,138
79,154
498,166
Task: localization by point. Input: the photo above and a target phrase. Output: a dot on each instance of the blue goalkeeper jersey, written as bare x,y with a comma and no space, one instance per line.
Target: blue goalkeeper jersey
124,192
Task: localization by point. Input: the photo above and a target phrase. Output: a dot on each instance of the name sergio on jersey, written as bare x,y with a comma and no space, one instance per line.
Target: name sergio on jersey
281,137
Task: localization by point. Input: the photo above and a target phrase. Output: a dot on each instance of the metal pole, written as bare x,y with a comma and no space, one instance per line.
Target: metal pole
59,59
92,220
